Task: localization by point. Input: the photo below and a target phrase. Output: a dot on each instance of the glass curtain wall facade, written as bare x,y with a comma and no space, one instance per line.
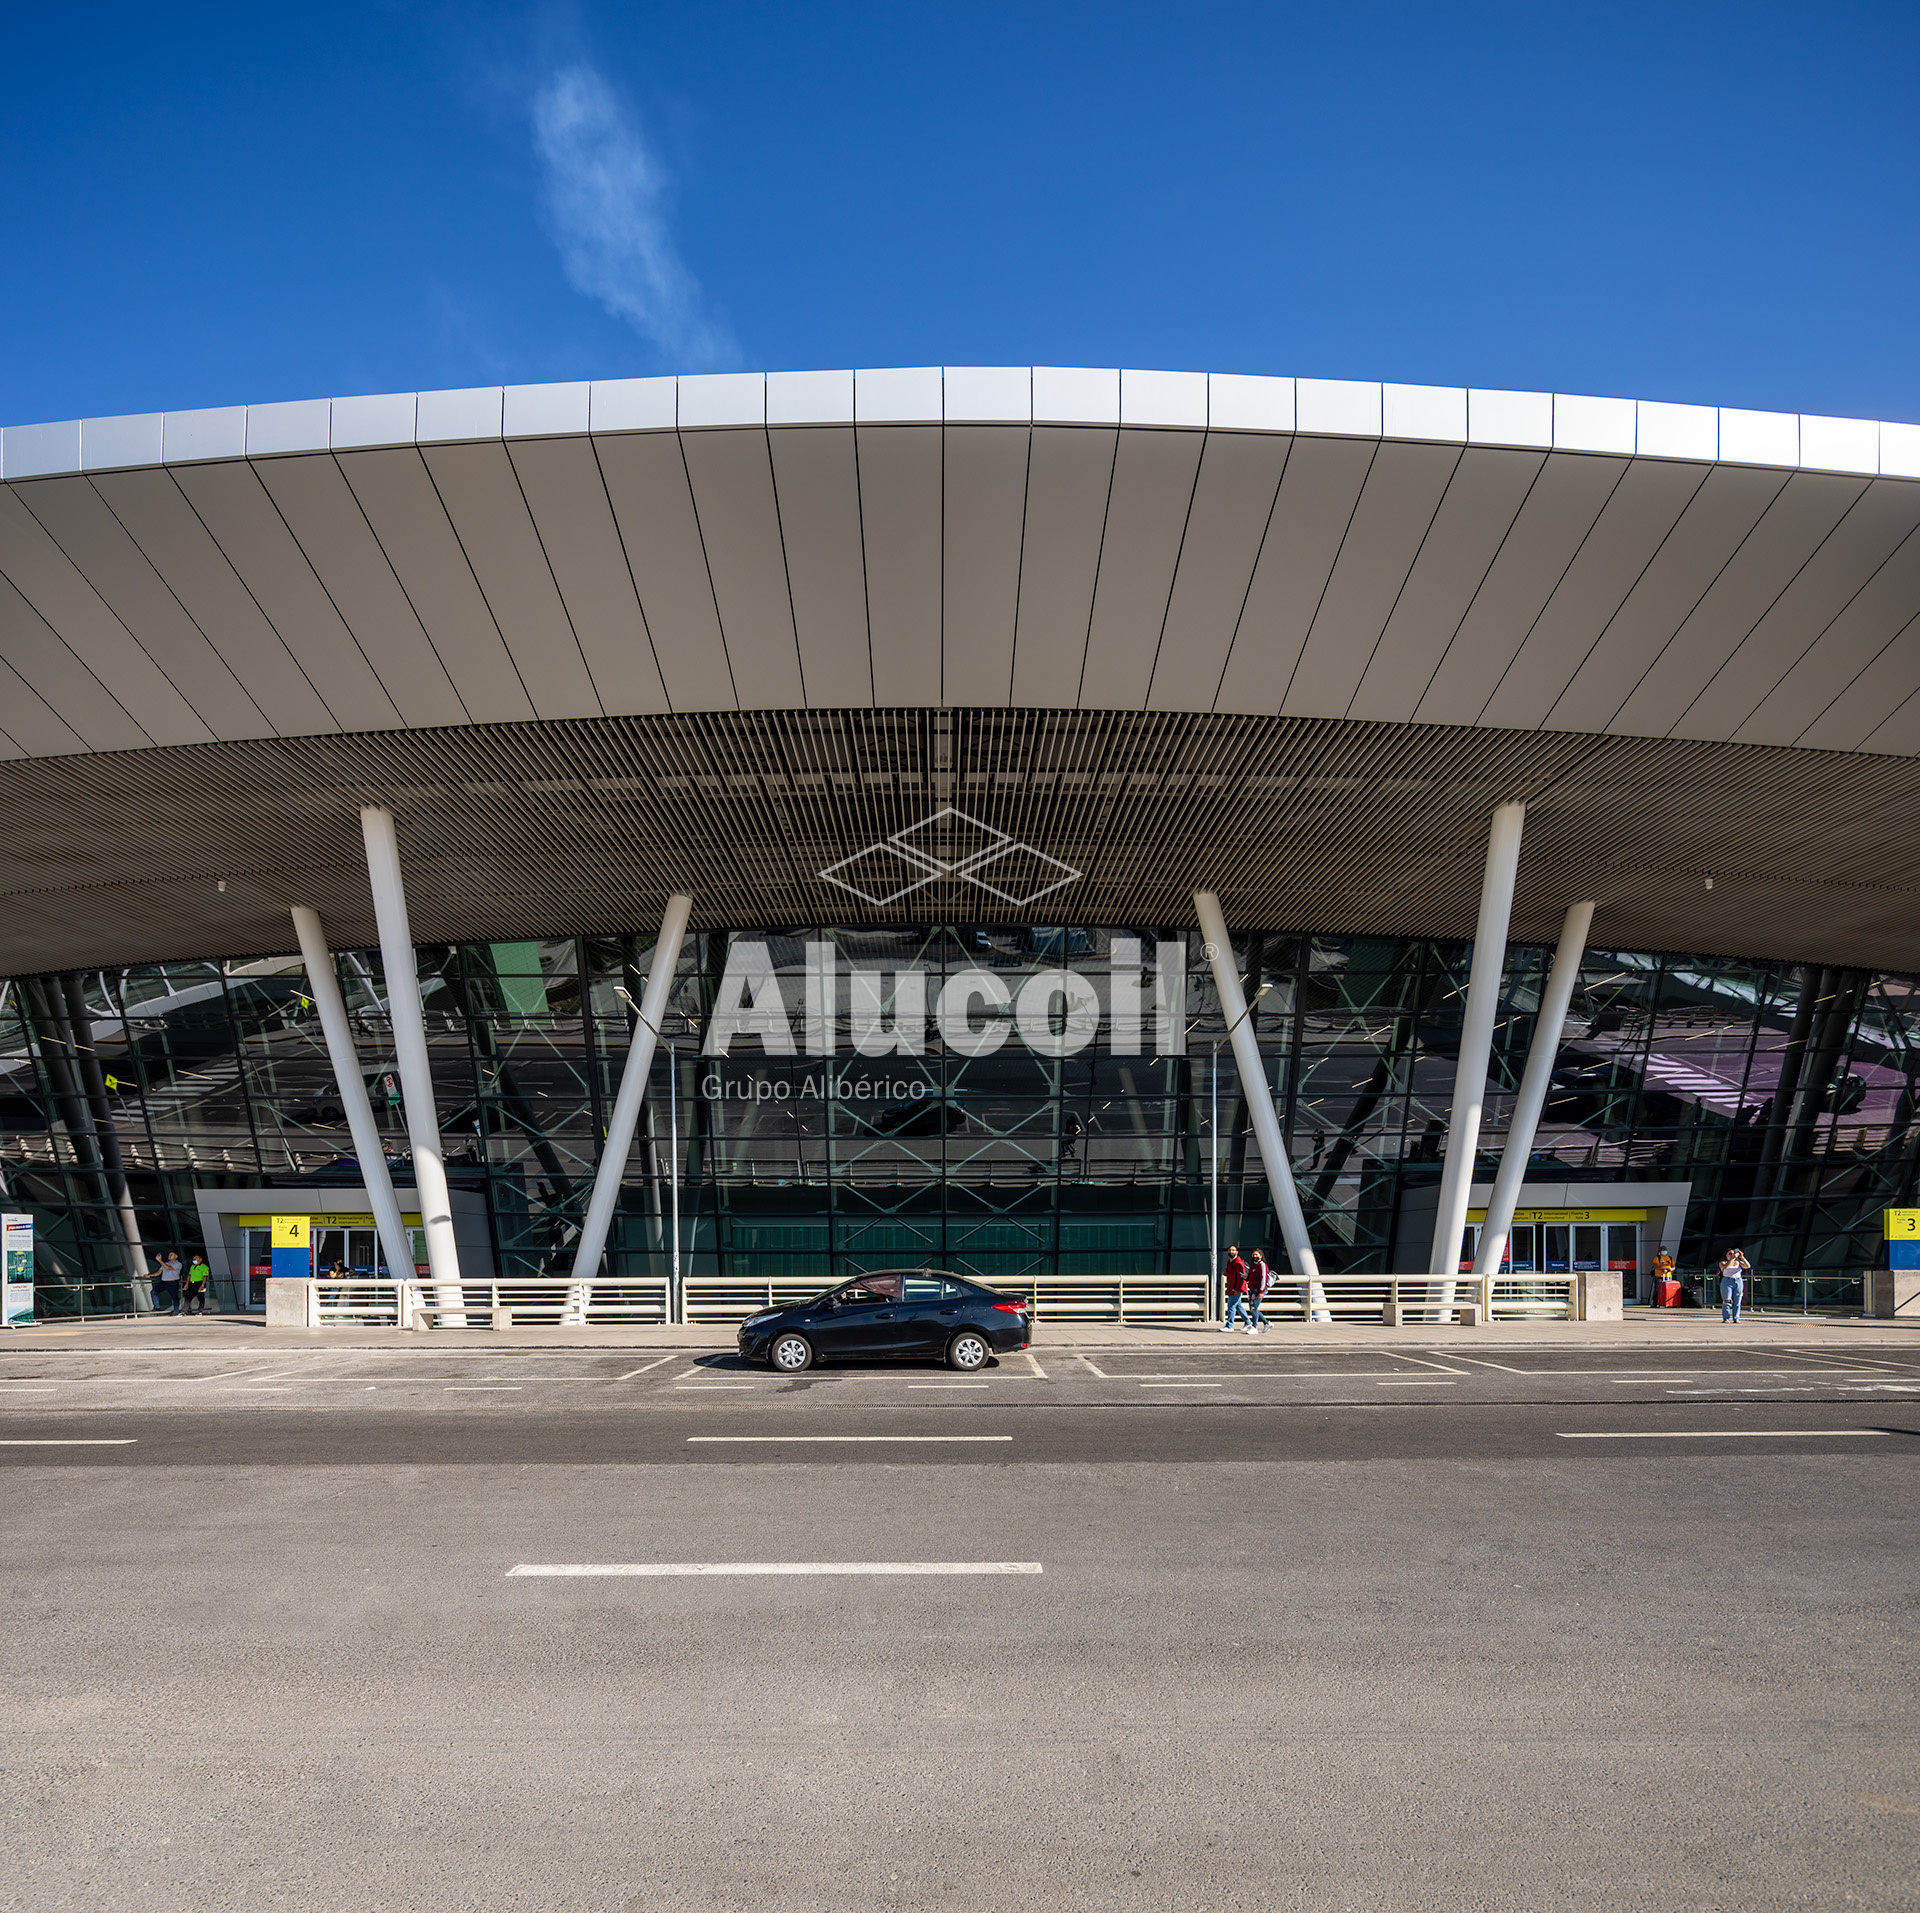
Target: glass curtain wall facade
1003,1102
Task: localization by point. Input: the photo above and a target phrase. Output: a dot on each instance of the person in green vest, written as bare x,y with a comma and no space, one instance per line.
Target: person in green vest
198,1274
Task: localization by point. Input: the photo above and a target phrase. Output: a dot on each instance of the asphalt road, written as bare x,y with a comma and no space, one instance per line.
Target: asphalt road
1307,1631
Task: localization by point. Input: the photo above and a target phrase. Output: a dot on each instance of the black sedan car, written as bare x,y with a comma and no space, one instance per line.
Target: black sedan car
921,1313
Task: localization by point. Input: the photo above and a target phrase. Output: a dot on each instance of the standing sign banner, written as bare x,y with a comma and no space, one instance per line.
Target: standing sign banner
17,1233
292,1245
1903,1238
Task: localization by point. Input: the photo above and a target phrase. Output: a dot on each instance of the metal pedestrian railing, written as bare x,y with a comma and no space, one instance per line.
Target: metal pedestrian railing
525,1302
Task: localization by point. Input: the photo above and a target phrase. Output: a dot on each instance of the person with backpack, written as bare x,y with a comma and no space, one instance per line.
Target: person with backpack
198,1275
1236,1292
1259,1281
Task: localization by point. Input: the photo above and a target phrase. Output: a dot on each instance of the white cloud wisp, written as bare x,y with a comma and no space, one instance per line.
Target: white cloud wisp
604,197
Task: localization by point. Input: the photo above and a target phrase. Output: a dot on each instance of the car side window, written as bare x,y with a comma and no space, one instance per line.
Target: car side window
865,1293
959,1292
925,1288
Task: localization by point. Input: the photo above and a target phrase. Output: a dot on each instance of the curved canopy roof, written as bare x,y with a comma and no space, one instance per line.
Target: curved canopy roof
1354,558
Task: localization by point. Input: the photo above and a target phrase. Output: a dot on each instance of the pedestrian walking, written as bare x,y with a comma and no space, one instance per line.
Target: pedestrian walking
1259,1281
1734,1270
1236,1293
167,1280
198,1275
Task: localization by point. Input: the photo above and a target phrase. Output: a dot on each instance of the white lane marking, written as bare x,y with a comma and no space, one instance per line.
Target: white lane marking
26,1391
690,1387
272,1389
949,1384
1442,1367
577,1568
1092,1367
1034,1361
659,1362
1421,1381
1480,1361
1158,1384
1634,1381
102,1441
482,1388
1718,1434
817,1438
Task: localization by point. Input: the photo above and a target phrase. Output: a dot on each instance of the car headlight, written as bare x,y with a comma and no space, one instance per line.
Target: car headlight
759,1321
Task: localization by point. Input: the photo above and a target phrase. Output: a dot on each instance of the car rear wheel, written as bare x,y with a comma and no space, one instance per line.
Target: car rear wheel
968,1351
791,1353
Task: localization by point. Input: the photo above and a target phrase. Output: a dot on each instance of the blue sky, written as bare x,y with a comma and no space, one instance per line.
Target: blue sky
212,205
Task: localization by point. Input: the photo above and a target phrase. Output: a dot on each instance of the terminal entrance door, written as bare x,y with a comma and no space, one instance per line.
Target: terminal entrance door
1562,1248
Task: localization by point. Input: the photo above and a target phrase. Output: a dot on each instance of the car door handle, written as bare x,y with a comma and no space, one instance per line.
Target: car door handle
949,1311
886,1315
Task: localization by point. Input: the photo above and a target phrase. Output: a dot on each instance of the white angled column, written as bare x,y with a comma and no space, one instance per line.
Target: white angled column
1476,1037
410,1055
1533,1088
352,1084
633,1088
1253,1085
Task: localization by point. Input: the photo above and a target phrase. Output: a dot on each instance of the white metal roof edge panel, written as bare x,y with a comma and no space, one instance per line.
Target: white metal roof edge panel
1548,421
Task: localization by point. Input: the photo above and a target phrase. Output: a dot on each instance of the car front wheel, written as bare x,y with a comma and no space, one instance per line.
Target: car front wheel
791,1353
968,1351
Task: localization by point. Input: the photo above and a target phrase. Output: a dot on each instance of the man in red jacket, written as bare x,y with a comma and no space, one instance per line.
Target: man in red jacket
1236,1292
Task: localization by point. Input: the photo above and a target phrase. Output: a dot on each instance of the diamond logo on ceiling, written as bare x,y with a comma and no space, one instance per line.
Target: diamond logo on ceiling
961,849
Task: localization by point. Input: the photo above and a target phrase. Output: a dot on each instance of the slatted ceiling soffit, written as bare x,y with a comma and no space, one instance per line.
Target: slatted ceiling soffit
1302,824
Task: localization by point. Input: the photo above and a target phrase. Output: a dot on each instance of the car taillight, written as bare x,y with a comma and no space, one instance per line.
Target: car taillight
1011,1308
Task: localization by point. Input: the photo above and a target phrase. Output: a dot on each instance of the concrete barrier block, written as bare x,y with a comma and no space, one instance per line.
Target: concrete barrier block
289,1303
1601,1296
503,1320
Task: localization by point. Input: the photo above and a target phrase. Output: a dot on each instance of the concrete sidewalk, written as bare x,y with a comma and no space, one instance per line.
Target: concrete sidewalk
1643,1329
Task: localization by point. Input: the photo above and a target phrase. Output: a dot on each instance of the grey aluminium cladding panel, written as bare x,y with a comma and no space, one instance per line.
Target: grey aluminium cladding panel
1232,500
1801,517
1561,508
244,522
732,478
402,505
1315,505
1869,621
1484,495
571,511
82,524
1859,545
1404,487
160,520
482,497
312,494
653,506
819,489
903,538
900,512
1154,473
1717,522
984,506
46,579
1067,490
1633,524
84,708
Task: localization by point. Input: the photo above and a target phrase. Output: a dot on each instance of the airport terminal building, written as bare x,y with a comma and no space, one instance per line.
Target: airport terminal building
756,829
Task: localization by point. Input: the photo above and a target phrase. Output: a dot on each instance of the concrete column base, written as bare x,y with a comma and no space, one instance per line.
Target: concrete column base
1893,1295
289,1301
1600,1296
503,1320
